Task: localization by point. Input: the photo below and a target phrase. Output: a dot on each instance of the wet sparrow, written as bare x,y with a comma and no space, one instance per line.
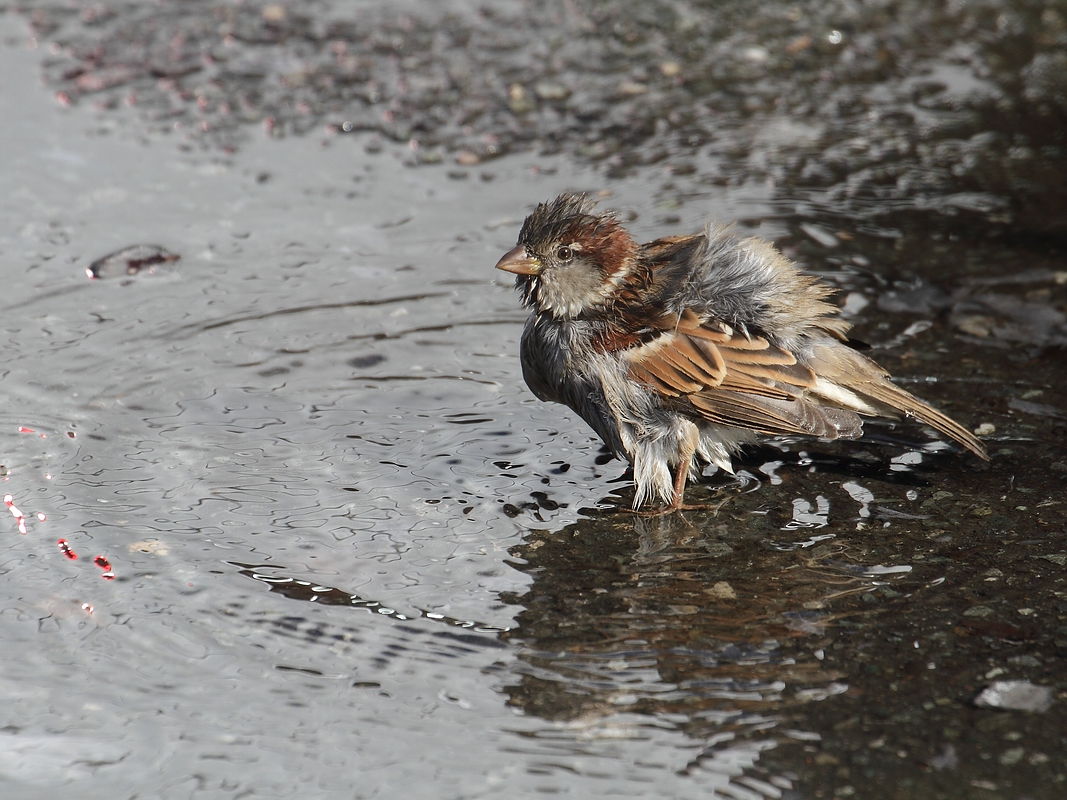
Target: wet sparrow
678,351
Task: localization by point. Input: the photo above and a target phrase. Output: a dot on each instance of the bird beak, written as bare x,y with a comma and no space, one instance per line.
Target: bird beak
520,262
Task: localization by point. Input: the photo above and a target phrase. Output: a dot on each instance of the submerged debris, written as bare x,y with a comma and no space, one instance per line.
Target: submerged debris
1015,696
130,261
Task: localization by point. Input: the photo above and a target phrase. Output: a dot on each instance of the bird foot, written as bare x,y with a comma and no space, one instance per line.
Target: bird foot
674,507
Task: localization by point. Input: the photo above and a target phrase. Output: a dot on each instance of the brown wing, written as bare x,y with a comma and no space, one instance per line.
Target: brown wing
739,380
735,380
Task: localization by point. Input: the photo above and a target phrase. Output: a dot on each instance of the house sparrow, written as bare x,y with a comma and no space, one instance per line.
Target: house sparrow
678,351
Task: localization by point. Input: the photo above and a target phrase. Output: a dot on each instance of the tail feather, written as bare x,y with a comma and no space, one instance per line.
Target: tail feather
896,398
857,383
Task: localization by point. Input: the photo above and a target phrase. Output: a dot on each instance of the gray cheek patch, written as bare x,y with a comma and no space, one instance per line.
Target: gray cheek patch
568,289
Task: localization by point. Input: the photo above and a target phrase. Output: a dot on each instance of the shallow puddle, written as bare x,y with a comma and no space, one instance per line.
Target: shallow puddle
284,520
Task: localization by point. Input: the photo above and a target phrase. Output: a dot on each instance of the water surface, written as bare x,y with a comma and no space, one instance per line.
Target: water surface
354,557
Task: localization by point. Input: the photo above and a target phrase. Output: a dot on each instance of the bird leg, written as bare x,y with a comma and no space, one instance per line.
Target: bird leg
680,477
688,447
676,503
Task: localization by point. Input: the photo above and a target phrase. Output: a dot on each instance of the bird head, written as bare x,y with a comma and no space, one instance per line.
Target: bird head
570,260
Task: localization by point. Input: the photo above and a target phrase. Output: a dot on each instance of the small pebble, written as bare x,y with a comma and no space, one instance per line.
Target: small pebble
1015,696
551,91
820,234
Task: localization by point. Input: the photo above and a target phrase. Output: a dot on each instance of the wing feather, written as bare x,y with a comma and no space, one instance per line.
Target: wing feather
661,373
796,377
740,354
711,354
686,357
685,364
776,417
739,379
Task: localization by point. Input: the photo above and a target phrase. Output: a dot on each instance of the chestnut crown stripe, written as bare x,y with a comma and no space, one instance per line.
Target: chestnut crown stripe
568,220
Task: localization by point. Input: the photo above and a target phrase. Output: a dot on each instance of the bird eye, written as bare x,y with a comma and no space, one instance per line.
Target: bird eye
564,253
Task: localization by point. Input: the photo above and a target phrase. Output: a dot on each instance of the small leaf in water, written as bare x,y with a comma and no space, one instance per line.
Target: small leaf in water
130,261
